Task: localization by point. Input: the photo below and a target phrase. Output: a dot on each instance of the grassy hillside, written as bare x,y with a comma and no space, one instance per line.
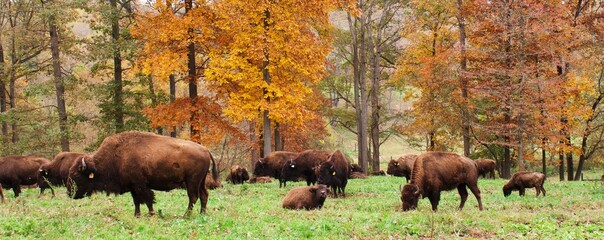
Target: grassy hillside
371,211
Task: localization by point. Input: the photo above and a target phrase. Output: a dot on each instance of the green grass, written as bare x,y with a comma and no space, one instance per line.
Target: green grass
371,211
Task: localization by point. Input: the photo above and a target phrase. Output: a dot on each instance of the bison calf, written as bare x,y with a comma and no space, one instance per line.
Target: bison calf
522,180
308,198
238,175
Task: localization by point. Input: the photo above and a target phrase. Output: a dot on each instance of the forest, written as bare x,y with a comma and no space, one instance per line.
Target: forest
515,81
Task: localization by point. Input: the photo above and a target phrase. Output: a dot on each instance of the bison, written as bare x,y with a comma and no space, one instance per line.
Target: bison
57,171
357,175
302,166
434,172
2,193
308,198
522,180
238,175
21,170
486,166
212,183
272,164
260,180
334,173
402,166
356,168
139,162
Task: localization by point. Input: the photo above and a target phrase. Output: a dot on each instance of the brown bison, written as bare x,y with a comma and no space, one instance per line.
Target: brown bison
272,164
434,172
21,170
402,166
238,175
357,175
260,180
486,166
308,198
334,173
138,162
212,183
378,173
2,193
302,166
57,171
356,168
522,180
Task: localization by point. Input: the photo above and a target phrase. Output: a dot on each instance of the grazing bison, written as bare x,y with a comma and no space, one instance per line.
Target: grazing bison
238,175
486,166
308,198
334,173
57,171
434,172
272,164
260,180
21,170
212,183
522,180
302,166
402,166
138,162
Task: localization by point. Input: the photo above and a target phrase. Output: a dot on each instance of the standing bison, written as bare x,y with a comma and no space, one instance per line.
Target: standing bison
138,162
56,172
308,198
302,166
522,180
434,172
272,164
402,166
334,173
238,175
21,170
486,166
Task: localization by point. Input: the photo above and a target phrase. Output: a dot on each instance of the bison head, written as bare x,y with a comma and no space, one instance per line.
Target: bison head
507,191
242,172
319,192
290,170
261,168
81,178
393,167
325,172
410,196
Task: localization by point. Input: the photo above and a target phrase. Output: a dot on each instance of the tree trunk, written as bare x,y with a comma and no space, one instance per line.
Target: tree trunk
154,102
465,119
192,76
569,163
543,163
59,85
278,140
11,85
172,98
505,168
521,165
117,68
561,166
267,78
254,156
3,109
375,52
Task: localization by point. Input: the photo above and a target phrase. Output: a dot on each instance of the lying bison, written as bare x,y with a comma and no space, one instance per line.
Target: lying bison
357,175
272,164
212,183
260,180
334,173
21,170
308,198
434,172
486,166
238,175
138,162
356,168
522,180
402,166
56,172
302,166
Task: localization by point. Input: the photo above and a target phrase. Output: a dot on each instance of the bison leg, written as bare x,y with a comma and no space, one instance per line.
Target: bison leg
137,204
434,199
542,190
522,191
203,193
463,193
16,188
474,188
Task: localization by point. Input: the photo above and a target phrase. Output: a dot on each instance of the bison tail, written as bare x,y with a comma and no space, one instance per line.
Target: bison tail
214,171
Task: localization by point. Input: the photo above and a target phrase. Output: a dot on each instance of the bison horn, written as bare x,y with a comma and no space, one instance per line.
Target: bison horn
83,164
416,191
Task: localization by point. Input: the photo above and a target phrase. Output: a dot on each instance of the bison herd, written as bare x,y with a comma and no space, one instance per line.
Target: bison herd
139,162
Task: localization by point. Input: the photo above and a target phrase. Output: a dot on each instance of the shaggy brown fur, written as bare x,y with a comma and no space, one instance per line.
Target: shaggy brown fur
379,173
272,164
486,166
302,166
357,175
334,173
57,171
260,180
238,175
402,166
21,170
308,198
356,168
434,172
139,162
522,180
212,183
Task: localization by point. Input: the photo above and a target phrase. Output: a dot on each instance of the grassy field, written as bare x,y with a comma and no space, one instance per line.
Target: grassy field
571,210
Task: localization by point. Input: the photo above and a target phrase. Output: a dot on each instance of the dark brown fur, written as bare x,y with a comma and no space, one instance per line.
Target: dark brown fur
261,180
357,175
21,170
402,166
379,173
302,166
486,166
522,180
334,173
308,198
238,175
356,168
57,171
212,183
434,172
139,162
272,164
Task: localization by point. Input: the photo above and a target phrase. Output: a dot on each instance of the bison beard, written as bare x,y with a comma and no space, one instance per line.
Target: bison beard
138,162
434,172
